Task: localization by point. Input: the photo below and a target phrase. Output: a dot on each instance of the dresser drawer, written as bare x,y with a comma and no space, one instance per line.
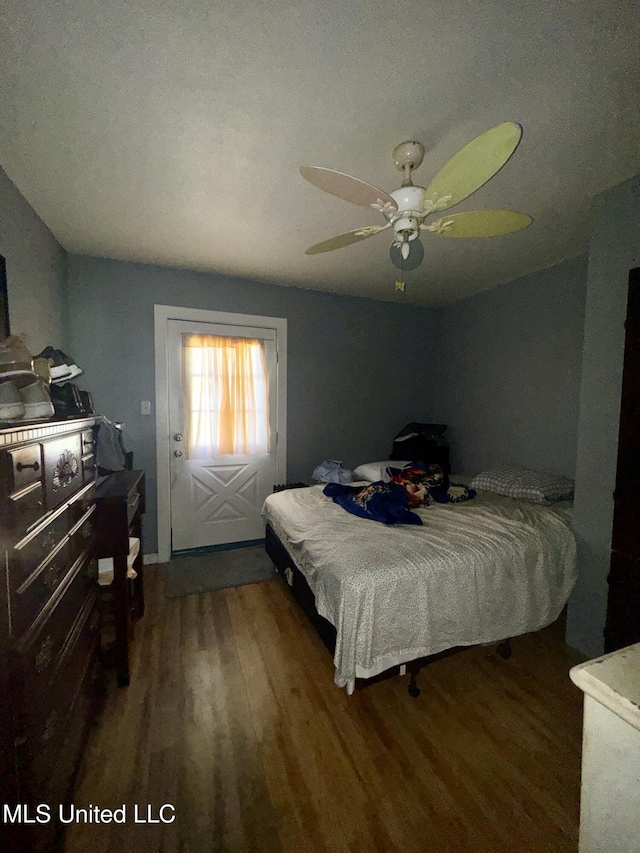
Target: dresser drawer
41,586
53,767
63,468
46,535
23,509
46,643
52,731
88,441
38,547
26,466
32,556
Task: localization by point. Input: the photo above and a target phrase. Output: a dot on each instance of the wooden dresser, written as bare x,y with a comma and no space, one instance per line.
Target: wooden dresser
49,621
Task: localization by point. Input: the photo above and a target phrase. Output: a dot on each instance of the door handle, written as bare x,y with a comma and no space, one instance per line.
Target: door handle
178,436
177,453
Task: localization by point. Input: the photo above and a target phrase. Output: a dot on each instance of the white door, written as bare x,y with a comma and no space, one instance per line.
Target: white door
217,499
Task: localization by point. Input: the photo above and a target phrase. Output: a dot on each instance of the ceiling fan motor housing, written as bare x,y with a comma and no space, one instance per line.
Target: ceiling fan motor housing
408,199
406,220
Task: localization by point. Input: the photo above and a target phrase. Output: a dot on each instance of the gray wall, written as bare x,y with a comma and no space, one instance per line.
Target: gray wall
509,364
613,250
358,369
36,271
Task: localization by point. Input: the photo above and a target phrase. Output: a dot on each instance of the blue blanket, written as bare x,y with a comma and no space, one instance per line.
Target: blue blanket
385,502
414,485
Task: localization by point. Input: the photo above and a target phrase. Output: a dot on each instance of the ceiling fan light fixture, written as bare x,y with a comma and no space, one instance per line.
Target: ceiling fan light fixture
406,228
414,258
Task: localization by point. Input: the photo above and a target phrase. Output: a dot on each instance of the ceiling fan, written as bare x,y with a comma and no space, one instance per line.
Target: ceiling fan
408,208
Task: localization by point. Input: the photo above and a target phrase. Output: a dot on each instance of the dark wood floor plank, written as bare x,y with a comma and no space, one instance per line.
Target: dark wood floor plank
232,717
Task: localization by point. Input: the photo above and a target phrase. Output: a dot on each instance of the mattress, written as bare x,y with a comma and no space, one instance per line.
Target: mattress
476,572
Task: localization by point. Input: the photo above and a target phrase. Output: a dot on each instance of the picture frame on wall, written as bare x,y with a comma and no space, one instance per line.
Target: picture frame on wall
4,301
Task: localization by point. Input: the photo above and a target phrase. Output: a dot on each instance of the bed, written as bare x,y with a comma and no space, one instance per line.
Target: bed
381,596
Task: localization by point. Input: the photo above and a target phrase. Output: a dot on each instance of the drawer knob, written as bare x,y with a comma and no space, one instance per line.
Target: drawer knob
20,466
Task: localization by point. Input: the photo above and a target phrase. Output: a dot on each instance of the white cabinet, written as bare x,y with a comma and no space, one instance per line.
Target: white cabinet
610,795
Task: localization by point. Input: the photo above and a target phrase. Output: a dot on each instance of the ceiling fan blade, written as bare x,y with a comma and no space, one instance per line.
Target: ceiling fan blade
479,223
346,239
346,187
473,165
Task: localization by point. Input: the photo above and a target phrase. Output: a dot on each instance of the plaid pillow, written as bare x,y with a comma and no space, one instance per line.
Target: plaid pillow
524,484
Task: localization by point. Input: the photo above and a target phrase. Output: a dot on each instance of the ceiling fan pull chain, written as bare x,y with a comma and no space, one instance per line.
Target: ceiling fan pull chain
400,283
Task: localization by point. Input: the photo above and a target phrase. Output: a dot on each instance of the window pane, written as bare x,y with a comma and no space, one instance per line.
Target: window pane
226,395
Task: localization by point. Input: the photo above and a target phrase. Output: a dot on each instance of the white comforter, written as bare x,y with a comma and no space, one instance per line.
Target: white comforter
476,572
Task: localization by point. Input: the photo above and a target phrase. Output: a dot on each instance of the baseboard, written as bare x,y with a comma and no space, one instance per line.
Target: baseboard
149,559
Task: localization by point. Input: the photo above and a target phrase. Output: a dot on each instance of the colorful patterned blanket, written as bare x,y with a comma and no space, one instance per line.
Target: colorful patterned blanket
391,503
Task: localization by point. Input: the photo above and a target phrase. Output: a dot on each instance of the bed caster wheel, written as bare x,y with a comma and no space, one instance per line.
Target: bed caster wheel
413,690
504,650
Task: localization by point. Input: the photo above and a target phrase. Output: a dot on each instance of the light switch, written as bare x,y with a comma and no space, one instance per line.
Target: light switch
145,407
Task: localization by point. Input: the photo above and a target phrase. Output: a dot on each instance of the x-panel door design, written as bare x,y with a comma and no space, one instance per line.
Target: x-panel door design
217,499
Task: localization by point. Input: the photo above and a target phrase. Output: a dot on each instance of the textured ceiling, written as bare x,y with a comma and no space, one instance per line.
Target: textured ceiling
171,131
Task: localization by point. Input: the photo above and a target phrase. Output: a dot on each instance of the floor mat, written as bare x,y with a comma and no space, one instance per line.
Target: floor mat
191,575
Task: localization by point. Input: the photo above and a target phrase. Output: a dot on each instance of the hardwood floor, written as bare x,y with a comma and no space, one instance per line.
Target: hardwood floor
232,717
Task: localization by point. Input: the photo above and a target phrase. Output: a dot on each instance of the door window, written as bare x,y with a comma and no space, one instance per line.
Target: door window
226,396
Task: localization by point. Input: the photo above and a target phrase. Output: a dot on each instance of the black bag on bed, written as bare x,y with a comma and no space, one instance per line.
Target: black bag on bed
422,442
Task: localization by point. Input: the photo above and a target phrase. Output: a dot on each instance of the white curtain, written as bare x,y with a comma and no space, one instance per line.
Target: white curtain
226,396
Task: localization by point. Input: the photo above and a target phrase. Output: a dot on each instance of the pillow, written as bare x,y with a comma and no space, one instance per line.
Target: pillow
375,471
524,484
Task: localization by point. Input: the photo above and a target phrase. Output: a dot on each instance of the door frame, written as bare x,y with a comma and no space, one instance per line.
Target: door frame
162,315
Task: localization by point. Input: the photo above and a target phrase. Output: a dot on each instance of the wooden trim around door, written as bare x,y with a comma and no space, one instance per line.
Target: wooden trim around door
162,315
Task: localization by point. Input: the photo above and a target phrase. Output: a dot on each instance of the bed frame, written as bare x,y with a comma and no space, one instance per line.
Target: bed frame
301,591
